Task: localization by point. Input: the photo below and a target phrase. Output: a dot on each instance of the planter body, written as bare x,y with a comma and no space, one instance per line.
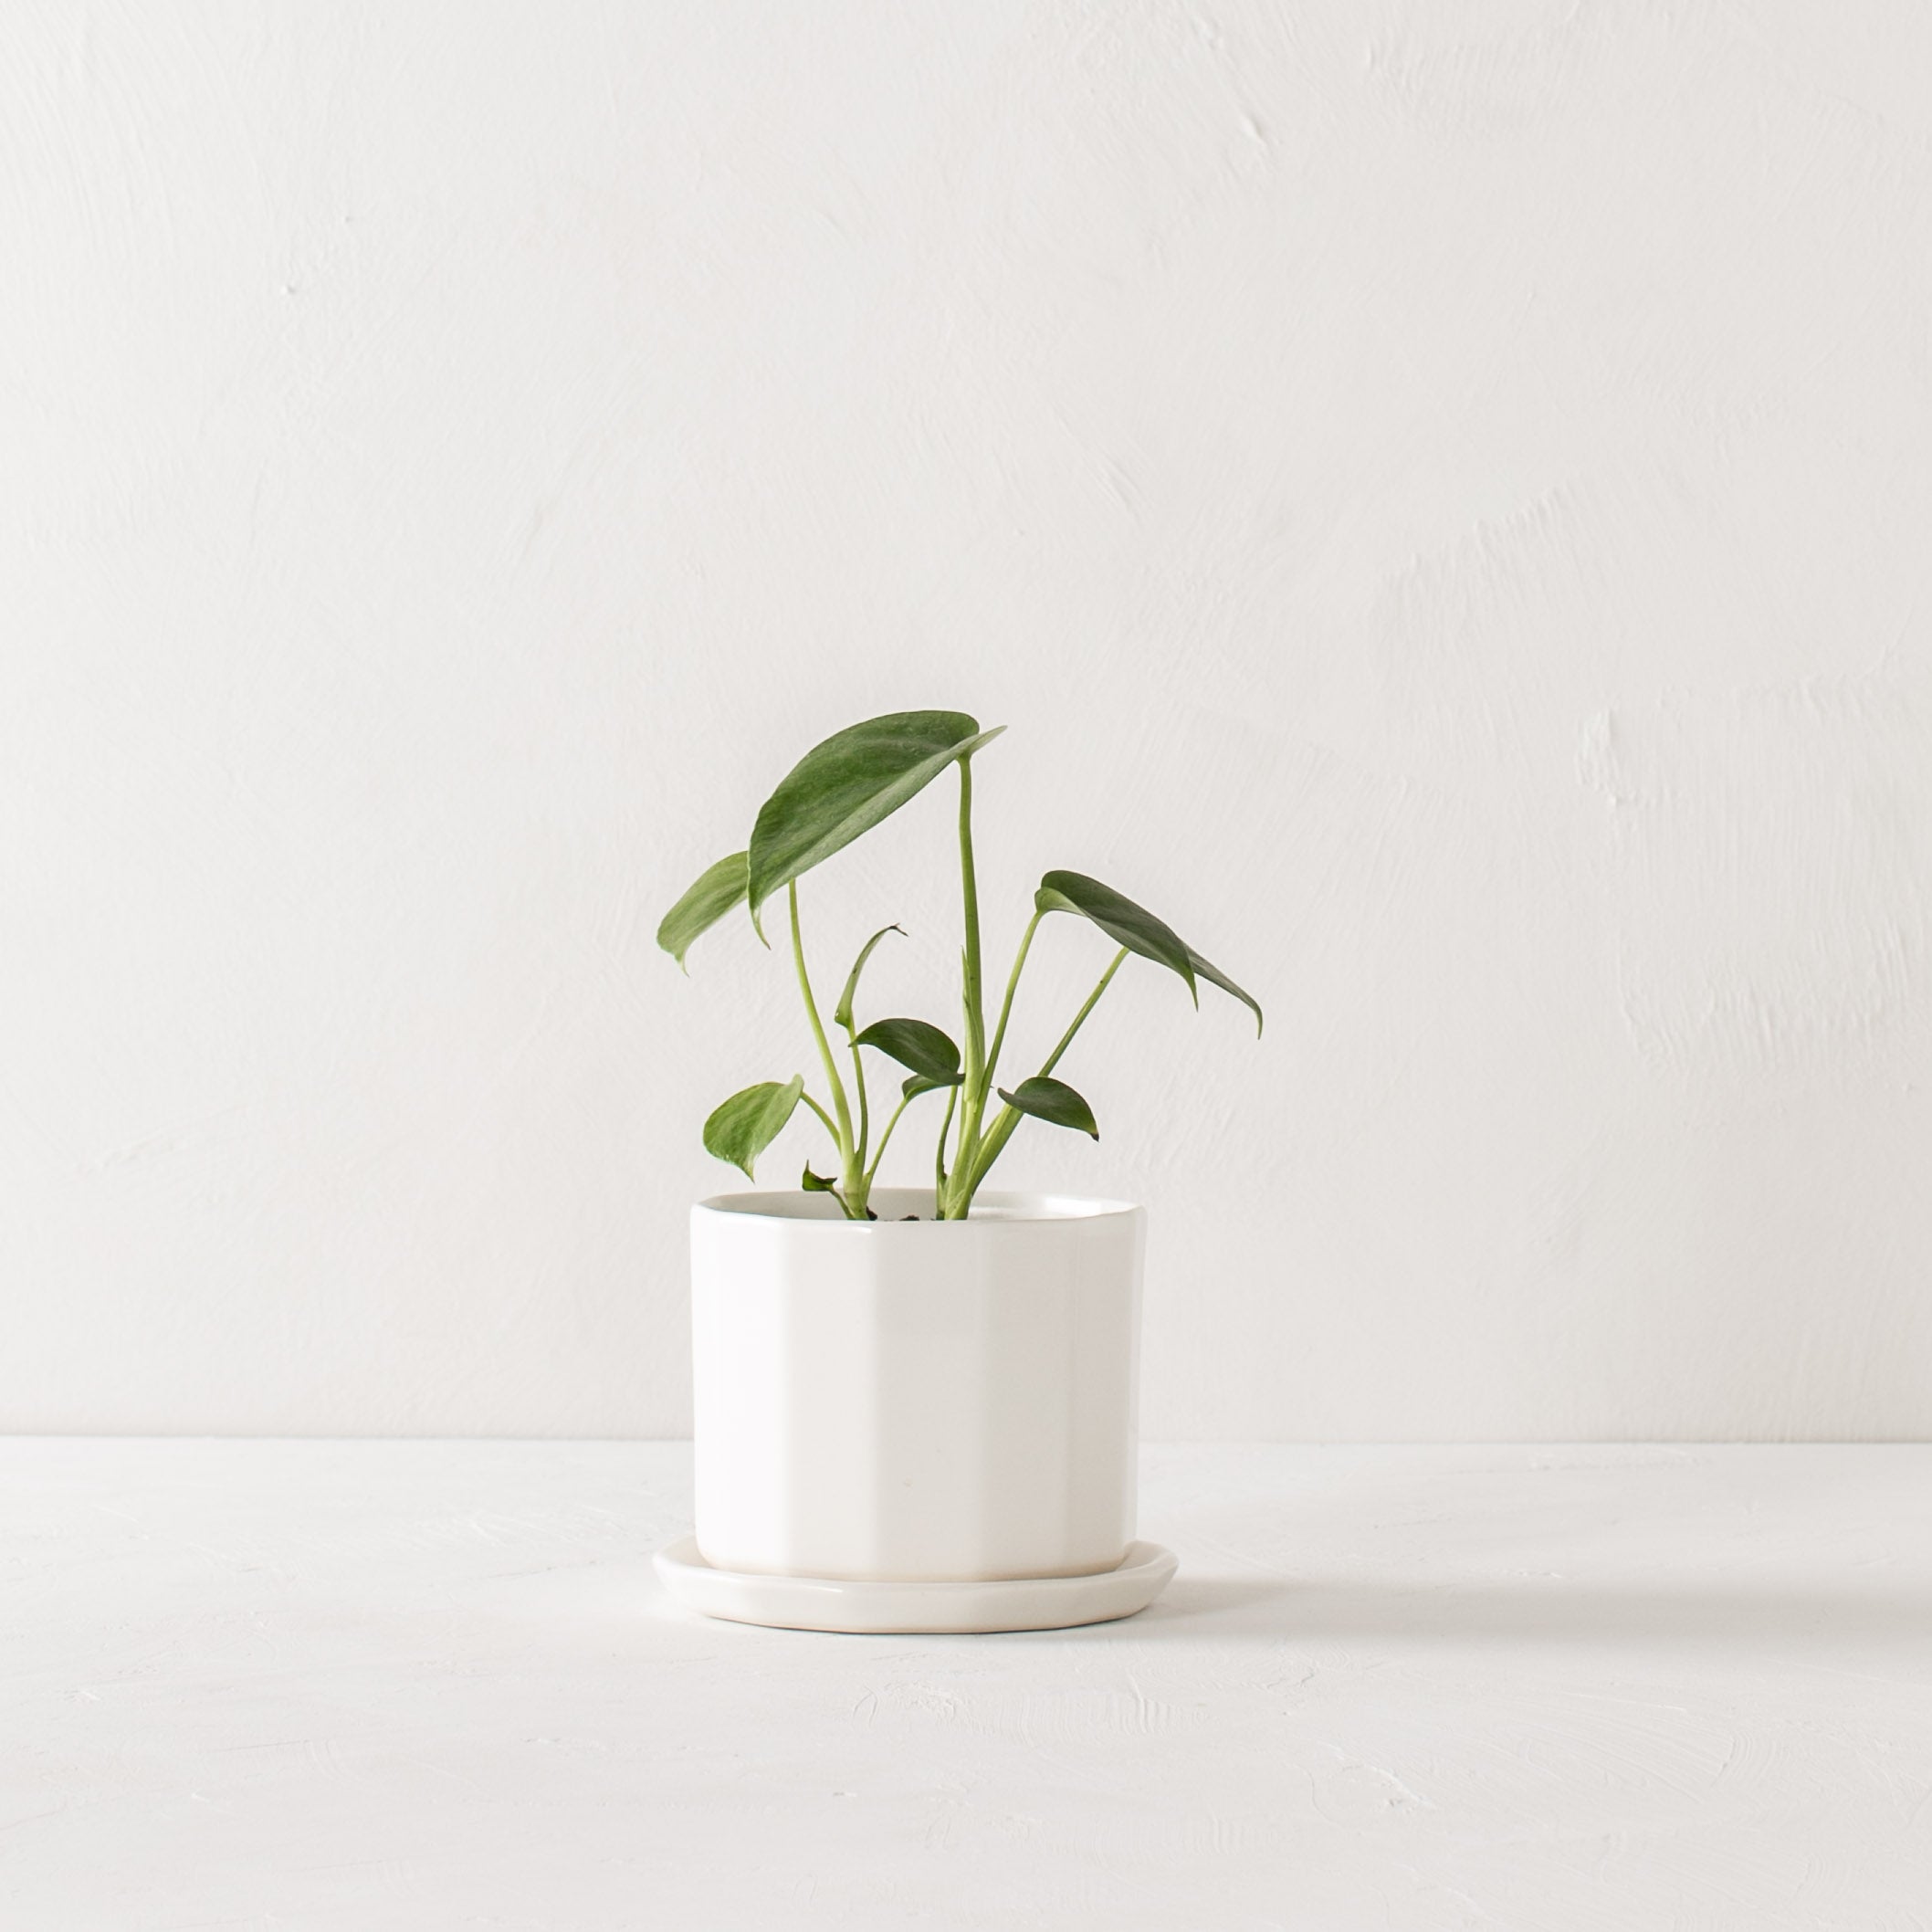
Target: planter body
916,1401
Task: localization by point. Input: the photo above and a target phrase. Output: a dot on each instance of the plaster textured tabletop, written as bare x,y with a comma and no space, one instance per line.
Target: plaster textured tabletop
429,1685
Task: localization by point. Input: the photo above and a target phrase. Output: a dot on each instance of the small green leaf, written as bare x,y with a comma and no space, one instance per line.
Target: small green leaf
914,1084
1216,976
1054,1101
1132,926
914,1043
714,894
842,1013
747,1124
816,1183
843,787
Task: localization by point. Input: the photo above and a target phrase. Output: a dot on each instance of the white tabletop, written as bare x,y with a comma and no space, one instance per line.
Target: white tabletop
429,1685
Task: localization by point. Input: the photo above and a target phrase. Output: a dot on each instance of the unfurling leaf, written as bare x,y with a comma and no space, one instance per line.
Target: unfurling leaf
845,786
1137,928
842,1013
915,1043
714,894
1054,1101
747,1124
816,1183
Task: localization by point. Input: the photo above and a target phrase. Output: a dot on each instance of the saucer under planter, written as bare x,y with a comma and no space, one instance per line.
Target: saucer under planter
915,1608
915,1402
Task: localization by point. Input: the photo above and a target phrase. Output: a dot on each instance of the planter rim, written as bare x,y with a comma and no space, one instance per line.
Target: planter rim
991,1207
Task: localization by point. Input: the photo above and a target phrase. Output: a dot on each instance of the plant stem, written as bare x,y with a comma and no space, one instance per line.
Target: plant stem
842,1131
872,1172
972,998
938,1158
845,1205
1013,981
865,1108
1001,1131
977,1090
970,895
1093,999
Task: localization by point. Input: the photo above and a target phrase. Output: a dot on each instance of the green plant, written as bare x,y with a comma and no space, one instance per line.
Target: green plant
836,792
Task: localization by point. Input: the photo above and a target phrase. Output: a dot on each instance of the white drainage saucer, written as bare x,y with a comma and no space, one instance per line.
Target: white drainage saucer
911,1609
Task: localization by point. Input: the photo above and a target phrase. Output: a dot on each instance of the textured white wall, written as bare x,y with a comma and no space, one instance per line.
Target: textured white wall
1439,492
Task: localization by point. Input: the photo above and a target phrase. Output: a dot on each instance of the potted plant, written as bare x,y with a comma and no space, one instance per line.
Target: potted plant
915,1407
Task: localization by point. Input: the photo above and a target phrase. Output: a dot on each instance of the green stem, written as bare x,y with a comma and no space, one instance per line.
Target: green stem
1001,1131
865,1106
843,1131
938,1159
975,1058
872,1172
1093,999
845,1205
1013,981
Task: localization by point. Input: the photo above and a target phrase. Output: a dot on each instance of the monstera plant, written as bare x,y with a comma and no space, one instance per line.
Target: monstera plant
835,794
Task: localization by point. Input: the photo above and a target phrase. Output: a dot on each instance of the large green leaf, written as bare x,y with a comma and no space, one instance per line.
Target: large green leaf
747,1124
842,1013
845,786
915,1043
1137,929
1051,1100
714,894
1132,926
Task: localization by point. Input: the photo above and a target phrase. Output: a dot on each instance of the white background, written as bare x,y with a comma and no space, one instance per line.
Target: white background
1440,494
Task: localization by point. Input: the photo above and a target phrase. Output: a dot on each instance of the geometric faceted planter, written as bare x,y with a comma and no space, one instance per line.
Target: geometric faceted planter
901,1413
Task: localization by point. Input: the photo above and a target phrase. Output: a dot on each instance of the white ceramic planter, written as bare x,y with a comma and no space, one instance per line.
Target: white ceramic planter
922,1400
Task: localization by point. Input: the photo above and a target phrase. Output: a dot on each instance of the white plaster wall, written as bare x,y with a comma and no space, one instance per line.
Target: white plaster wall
1439,493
